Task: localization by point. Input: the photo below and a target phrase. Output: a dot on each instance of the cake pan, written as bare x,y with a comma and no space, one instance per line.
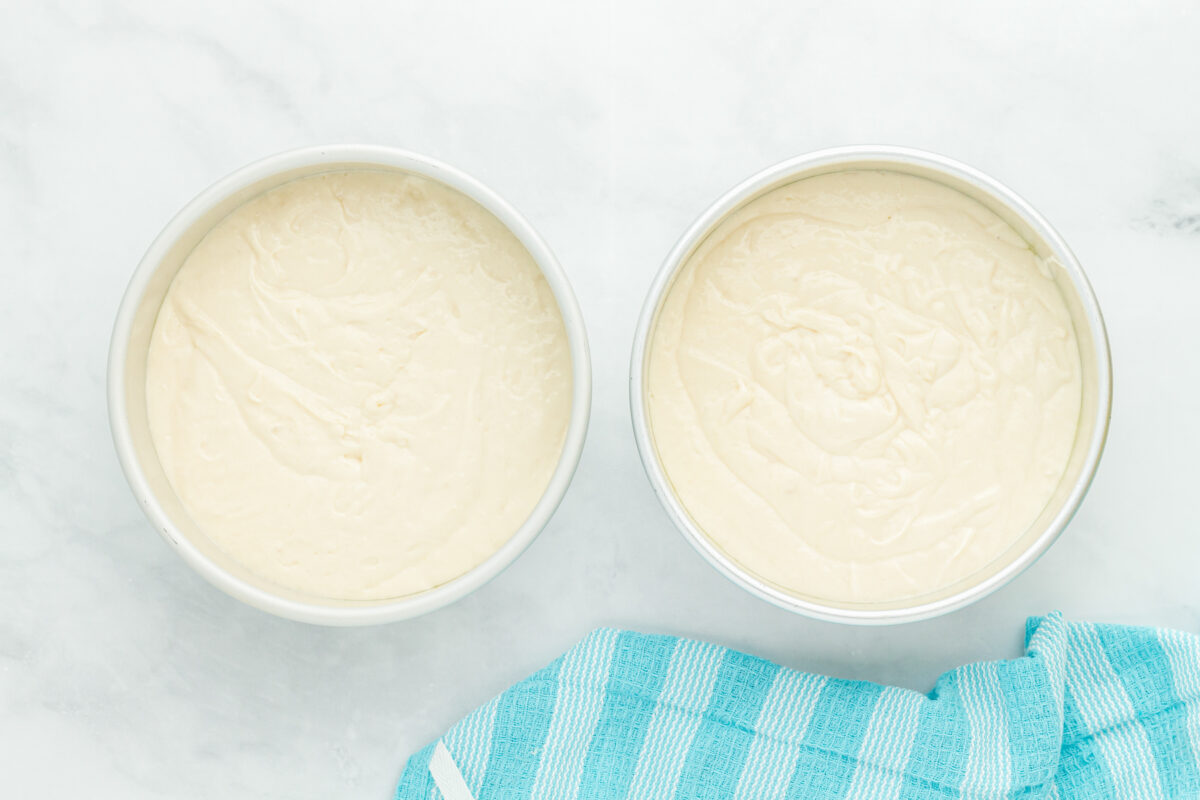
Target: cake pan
1094,355
127,378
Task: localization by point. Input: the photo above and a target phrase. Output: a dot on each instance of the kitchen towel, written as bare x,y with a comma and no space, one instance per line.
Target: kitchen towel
1090,712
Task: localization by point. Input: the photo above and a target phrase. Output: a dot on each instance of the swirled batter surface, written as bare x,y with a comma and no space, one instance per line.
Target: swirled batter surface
864,386
359,384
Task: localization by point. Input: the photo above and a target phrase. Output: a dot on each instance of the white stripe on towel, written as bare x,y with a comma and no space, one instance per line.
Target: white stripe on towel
892,736
781,725
473,741
1183,654
446,774
684,696
905,732
1108,714
989,764
581,682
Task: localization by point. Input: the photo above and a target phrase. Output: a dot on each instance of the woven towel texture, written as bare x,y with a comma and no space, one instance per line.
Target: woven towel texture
1090,712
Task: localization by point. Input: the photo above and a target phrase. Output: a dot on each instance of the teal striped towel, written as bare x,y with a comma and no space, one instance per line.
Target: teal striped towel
1090,712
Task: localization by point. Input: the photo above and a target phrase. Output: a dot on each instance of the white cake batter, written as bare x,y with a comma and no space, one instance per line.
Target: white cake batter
864,386
359,384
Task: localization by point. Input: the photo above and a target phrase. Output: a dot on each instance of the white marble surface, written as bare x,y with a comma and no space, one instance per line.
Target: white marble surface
611,125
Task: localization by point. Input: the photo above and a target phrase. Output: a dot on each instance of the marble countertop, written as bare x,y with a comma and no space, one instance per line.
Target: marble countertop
611,125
